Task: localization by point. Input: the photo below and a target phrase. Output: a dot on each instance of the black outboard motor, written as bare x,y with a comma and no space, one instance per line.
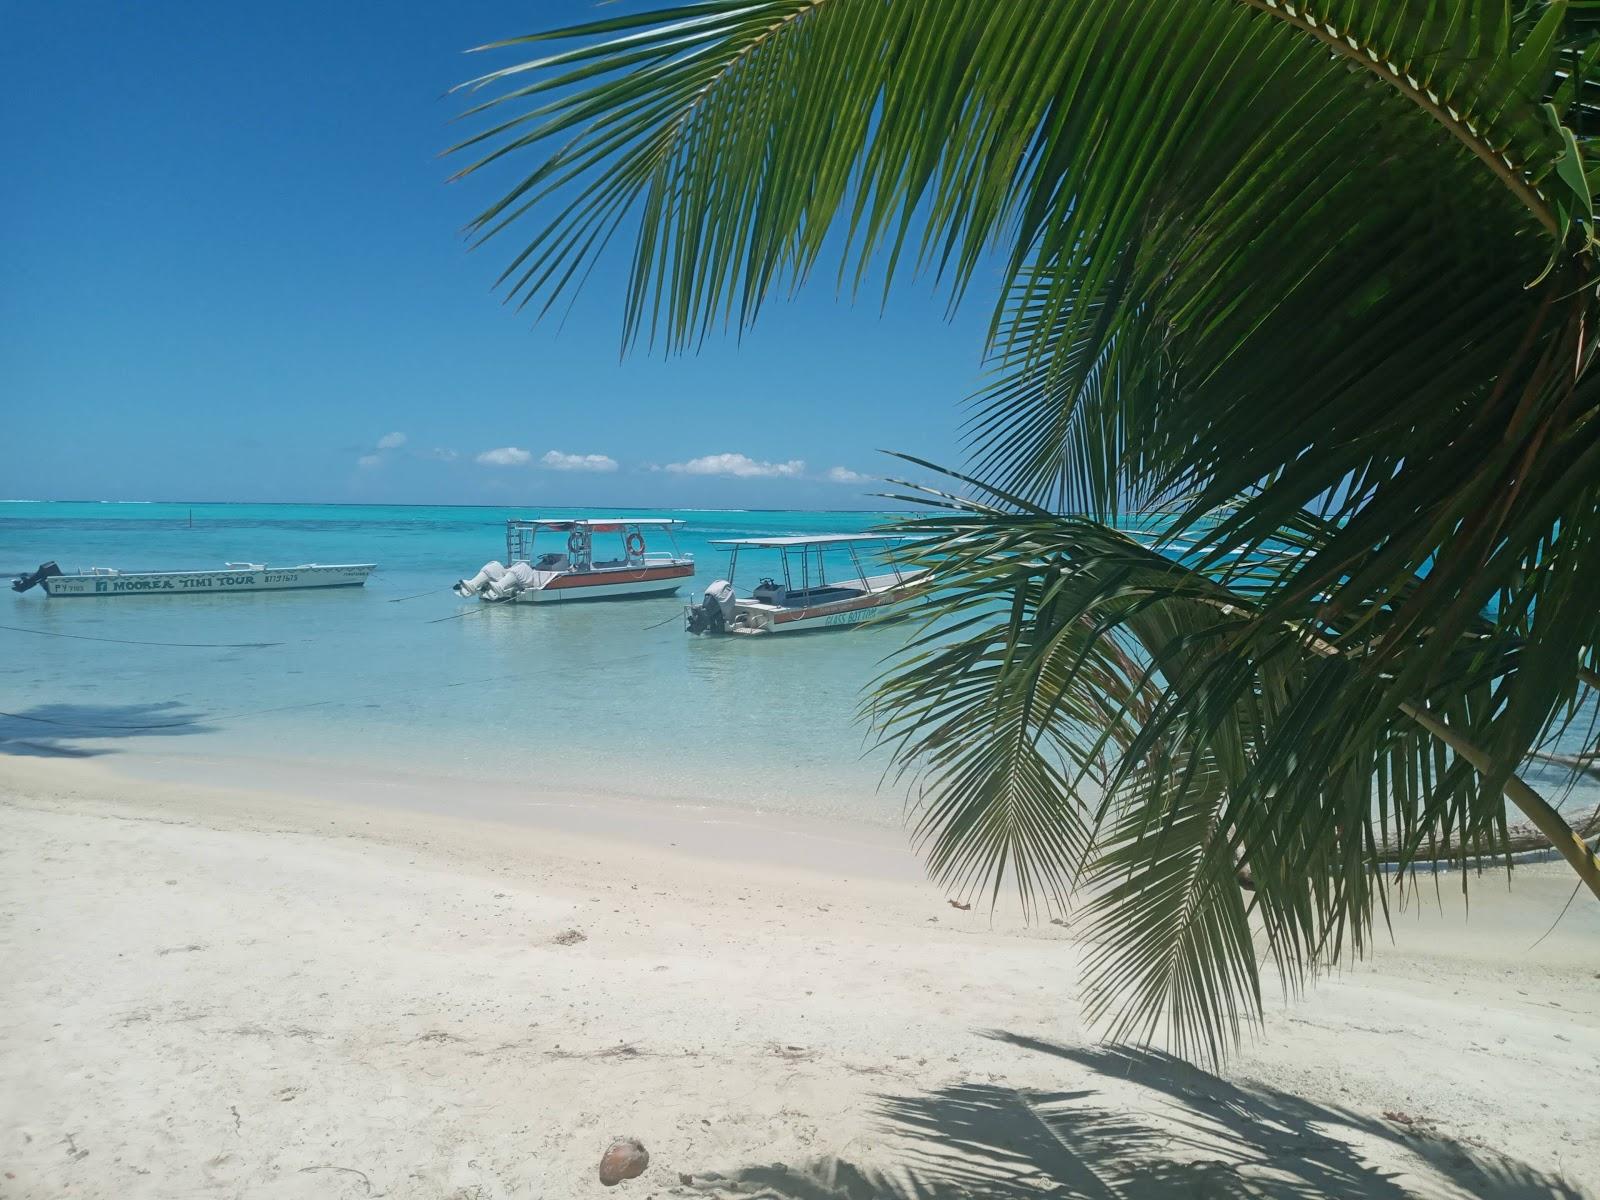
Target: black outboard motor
711,615
705,617
23,582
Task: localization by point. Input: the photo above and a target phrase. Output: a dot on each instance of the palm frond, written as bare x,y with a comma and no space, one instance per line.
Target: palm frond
950,128
1197,740
1321,284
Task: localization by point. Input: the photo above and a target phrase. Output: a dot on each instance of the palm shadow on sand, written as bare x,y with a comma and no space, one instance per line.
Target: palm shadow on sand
80,730
1189,1136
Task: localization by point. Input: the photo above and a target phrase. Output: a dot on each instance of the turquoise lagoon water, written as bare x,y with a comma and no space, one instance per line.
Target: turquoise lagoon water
606,697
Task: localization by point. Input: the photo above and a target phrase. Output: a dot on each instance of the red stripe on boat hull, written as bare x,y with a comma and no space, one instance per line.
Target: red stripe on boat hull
613,578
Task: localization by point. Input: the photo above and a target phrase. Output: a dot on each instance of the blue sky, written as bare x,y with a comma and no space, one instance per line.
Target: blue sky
231,269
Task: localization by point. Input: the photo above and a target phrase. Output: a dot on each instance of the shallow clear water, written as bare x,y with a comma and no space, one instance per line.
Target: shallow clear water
609,697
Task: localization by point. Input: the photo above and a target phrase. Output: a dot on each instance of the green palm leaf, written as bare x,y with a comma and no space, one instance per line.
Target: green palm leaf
1316,281
1204,751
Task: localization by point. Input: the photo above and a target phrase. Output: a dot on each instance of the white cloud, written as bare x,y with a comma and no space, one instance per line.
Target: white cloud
505,456
391,441
369,461
440,454
740,466
846,475
557,461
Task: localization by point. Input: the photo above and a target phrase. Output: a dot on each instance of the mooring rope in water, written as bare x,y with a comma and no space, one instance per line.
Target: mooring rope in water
84,637
457,616
418,595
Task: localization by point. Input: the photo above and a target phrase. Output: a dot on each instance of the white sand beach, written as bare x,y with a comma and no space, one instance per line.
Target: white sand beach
282,992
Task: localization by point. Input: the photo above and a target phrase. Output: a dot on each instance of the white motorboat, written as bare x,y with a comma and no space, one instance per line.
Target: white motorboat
578,572
804,596
232,578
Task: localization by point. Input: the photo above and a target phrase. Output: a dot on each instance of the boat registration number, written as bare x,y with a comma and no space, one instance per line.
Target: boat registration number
850,617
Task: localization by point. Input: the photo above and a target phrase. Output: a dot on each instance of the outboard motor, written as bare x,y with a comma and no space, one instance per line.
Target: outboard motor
471,587
23,582
512,580
715,610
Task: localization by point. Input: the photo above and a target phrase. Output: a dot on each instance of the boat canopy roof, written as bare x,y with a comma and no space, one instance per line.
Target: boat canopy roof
815,539
593,524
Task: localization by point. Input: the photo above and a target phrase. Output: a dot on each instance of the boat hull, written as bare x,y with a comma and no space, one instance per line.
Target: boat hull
767,619
843,616
599,585
224,582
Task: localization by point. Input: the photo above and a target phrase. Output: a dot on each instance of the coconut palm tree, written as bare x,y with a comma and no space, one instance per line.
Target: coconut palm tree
1279,545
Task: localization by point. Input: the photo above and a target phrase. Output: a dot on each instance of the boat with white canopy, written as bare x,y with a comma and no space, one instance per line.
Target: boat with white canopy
824,581
578,568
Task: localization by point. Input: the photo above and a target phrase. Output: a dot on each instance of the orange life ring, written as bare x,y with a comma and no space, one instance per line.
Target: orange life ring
635,544
575,543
